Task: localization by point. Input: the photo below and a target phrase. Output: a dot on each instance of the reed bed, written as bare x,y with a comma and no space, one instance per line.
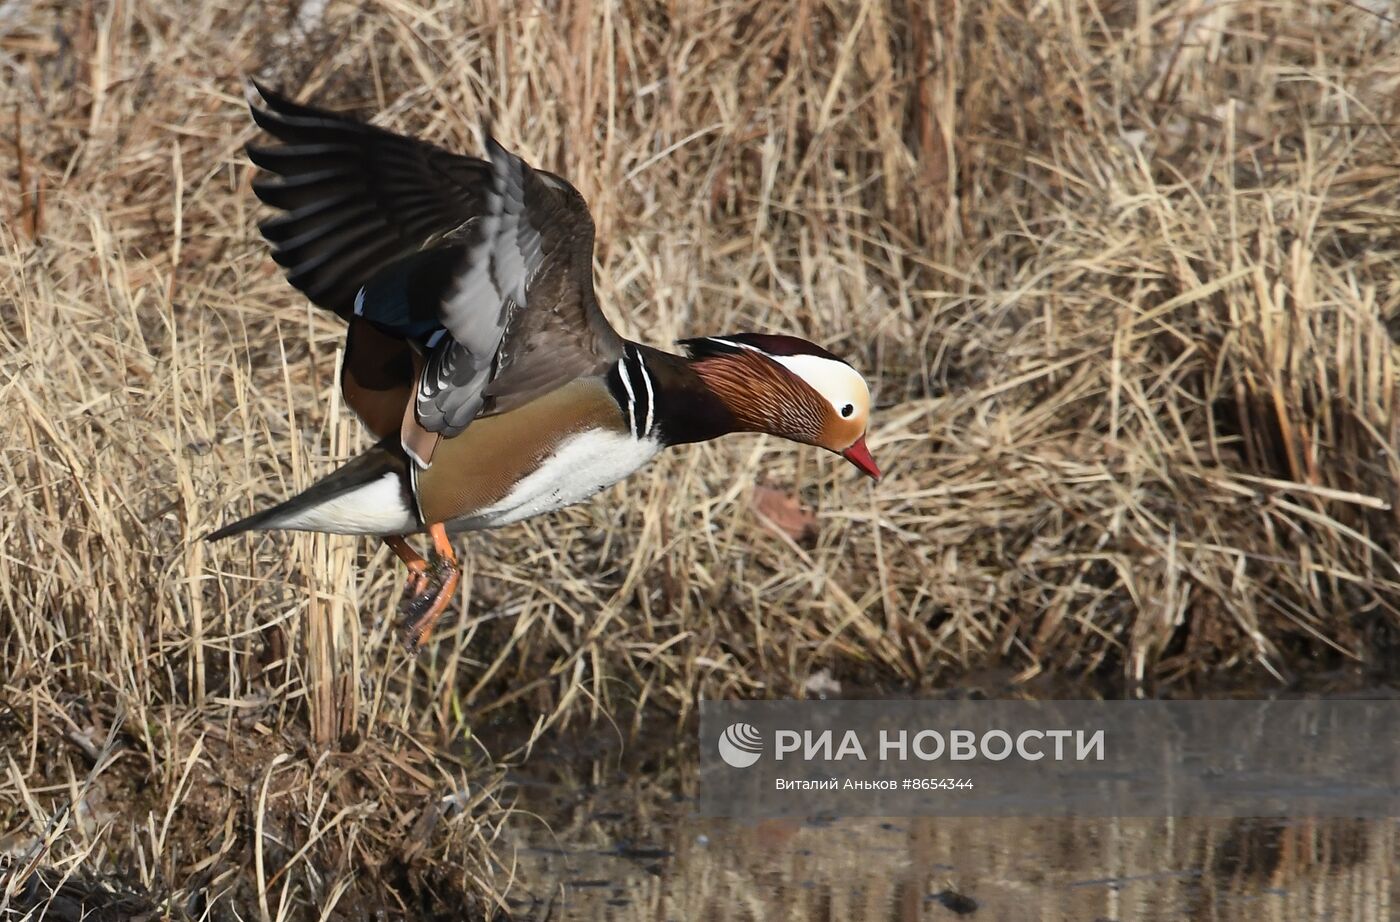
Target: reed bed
1123,275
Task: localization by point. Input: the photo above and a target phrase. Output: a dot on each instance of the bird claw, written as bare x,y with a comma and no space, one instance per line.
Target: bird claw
414,586
422,602
414,609
414,606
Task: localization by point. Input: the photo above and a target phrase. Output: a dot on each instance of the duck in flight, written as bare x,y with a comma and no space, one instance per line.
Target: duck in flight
476,351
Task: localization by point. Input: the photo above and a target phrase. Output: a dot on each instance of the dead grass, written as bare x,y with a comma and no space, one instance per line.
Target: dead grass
1121,273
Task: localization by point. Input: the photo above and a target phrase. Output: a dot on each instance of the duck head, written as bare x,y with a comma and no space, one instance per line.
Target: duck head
789,387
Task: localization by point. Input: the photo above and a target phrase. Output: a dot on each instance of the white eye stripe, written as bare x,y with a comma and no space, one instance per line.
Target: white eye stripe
836,381
736,345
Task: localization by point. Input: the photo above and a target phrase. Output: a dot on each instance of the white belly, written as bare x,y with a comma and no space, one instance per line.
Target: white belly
582,465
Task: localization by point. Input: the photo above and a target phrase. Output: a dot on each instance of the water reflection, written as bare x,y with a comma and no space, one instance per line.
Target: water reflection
622,843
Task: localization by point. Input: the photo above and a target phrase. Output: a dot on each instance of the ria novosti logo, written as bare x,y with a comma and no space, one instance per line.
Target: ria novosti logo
740,745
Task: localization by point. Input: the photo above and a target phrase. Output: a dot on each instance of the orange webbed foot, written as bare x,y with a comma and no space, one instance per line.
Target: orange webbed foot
429,590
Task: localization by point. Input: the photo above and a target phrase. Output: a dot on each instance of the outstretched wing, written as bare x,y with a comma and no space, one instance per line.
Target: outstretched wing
484,265
355,199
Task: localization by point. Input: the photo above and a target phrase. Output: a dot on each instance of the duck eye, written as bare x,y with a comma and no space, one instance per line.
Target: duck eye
847,410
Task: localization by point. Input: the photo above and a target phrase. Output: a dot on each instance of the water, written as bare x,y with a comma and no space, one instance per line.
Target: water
608,832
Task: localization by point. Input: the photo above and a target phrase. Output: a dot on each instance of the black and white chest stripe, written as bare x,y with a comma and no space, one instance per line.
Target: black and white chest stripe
631,384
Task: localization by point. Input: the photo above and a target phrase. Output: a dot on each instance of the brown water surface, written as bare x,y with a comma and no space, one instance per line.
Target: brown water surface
611,834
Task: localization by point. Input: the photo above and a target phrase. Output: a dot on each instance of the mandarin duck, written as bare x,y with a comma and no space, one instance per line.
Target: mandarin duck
476,351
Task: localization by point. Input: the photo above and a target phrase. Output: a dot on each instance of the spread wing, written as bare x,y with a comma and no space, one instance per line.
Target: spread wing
355,199
485,266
